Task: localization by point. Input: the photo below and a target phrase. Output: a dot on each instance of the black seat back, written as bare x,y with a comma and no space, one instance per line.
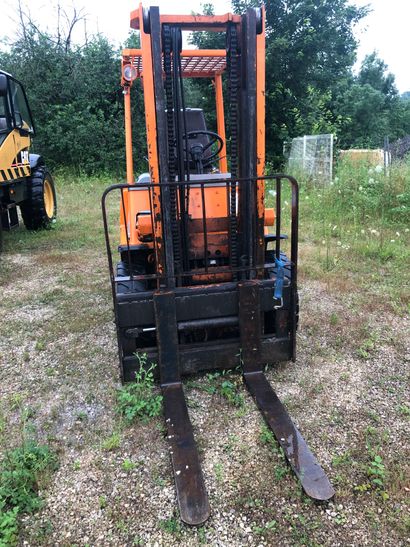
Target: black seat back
195,121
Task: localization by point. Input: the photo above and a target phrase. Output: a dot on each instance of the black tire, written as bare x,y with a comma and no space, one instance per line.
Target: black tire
39,210
130,344
126,286
270,258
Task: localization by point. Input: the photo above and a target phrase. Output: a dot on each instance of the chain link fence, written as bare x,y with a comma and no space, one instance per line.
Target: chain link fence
400,149
311,156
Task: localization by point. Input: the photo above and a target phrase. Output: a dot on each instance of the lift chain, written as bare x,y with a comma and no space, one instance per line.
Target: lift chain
176,240
233,88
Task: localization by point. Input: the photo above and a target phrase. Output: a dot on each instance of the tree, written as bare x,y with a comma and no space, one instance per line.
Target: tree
310,47
373,72
370,106
366,120
75,95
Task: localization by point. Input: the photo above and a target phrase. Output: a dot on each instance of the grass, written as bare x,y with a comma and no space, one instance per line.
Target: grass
358,227
171,525
281,468
23,471
225,384
112,442
79,228
128,465
219,472
268,527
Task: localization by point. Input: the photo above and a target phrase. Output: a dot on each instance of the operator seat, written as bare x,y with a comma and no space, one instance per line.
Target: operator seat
195,121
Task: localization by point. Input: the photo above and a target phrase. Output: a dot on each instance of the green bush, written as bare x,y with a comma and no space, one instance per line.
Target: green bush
22,471
138,399
8,525
230,392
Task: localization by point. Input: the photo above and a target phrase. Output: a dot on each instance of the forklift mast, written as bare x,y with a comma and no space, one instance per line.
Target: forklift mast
198,286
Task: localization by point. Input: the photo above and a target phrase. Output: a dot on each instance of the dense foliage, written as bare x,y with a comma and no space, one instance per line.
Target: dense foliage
311,87
22,471
76,99
77,102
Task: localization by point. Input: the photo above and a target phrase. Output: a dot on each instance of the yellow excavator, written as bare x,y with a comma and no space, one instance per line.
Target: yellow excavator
24,178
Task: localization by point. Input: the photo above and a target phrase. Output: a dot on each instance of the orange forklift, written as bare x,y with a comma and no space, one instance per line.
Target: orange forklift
202,282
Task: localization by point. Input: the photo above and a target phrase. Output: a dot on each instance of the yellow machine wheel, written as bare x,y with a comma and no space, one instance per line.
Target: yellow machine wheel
48,196
40,208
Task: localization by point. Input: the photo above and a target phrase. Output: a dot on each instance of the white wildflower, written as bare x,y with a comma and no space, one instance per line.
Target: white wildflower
324,241
339,243
392,240
362,231
378,169
371,181
360,188
334,227
370,171
398,234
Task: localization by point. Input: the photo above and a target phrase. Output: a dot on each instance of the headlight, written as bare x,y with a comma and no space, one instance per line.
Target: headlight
129,73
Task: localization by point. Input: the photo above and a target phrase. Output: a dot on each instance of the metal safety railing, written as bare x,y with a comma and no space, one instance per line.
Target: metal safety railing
250,265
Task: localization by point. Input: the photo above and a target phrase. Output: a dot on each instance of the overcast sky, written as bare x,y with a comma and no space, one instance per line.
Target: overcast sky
386,29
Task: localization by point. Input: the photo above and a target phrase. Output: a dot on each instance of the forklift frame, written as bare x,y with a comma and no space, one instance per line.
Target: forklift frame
245,297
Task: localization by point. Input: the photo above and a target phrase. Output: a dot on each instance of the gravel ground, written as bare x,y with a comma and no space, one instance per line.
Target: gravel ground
348,392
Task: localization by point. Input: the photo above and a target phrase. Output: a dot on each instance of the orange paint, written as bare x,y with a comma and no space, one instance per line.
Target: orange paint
211,23
220,122
195,63
260,141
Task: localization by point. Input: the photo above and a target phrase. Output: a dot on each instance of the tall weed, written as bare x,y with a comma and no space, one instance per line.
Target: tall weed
138,399
360,223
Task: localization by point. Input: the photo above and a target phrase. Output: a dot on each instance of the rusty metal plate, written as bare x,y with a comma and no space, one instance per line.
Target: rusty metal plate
189,482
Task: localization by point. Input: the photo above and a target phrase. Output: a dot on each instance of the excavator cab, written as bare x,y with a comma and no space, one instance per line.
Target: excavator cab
202,281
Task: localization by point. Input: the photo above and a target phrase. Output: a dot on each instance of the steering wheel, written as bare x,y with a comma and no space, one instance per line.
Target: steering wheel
197,151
